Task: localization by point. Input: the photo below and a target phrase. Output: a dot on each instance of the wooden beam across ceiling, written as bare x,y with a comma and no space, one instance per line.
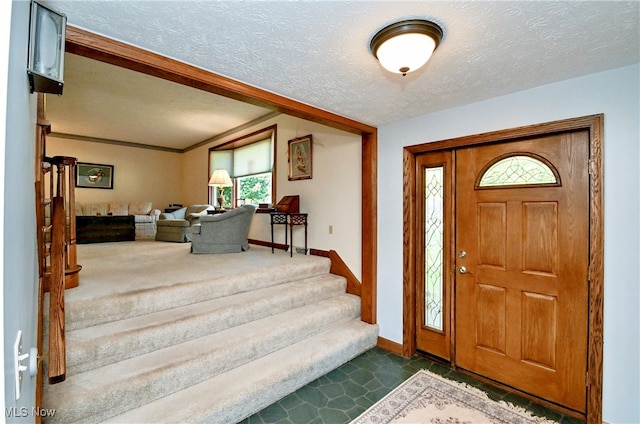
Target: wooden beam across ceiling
87,44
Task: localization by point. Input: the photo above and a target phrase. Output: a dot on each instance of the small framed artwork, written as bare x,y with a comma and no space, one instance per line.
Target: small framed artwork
300,158
93,175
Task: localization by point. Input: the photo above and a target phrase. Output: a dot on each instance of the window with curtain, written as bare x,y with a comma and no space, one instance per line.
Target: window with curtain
249,161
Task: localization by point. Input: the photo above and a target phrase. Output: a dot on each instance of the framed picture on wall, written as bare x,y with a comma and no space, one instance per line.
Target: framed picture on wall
93,175
300,158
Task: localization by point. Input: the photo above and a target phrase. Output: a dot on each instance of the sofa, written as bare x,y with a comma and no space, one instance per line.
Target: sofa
176,226
227,232
145,217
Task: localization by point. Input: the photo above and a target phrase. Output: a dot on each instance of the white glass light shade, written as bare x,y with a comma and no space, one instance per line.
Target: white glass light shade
405,46
46,49
220,178
47,53
406,52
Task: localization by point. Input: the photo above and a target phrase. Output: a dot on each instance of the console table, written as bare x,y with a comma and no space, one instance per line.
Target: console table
101,229
291,219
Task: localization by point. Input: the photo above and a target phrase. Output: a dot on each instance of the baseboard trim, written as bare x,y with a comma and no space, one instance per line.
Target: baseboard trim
390,346
280,246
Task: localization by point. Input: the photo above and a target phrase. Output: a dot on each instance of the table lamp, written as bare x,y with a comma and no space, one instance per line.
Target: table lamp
220,178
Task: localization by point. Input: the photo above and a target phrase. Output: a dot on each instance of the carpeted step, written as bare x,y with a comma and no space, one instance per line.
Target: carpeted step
85,312
243,391
100,345
113,389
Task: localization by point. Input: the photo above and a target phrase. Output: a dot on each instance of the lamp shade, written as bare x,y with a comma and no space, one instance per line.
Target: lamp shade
220,178
406,46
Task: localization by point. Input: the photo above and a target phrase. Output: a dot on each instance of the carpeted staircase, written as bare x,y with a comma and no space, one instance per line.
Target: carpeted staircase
215,350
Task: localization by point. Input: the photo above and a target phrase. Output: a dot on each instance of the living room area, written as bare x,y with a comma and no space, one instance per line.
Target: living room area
154,178
143,175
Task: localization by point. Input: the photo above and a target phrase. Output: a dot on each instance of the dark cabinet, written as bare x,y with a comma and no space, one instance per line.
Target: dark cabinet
101,229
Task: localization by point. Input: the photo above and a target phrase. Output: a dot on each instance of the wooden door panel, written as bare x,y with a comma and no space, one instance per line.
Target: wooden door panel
492,234
540,237
521,305
539,322
491,310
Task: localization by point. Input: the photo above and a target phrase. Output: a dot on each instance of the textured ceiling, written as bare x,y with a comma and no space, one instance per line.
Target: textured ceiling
108,102
317,52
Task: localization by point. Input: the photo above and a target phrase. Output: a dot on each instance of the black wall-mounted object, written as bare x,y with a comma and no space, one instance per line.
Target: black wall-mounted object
46,49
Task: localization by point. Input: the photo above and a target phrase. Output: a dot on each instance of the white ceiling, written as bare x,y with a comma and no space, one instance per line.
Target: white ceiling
104,101
317,52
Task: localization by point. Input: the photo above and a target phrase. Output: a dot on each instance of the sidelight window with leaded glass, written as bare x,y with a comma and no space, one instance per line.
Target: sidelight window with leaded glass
434,247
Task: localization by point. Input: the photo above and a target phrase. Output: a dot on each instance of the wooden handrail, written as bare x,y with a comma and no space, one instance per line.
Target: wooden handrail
339,267
57,347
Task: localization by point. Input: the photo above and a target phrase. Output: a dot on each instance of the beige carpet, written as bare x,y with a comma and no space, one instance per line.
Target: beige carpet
430,398
113,268
155,334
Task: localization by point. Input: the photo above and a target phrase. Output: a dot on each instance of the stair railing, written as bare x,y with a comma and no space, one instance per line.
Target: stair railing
64,269
57,347
57,258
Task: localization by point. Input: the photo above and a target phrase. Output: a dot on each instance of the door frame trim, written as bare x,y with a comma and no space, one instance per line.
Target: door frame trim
593,124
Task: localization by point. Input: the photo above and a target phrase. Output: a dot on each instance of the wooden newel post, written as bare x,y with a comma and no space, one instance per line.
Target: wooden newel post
65,188
57,349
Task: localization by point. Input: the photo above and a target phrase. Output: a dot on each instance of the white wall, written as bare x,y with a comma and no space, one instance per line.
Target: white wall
5,31
20,275
139,174
331,197
615,93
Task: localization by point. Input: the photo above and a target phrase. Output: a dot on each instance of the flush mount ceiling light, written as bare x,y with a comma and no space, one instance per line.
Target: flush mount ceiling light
406,45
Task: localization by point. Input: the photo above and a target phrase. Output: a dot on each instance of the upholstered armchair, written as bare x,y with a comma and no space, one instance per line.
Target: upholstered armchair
227,232
176,226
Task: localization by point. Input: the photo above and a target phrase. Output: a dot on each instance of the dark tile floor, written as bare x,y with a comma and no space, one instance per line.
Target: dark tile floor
346,392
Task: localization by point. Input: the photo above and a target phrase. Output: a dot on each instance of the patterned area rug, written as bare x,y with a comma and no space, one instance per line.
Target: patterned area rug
429,398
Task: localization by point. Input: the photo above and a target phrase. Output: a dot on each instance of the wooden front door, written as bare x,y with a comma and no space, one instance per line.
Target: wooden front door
522,249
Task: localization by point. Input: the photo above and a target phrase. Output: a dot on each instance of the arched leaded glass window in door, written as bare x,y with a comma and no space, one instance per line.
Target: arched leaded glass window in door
518,170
